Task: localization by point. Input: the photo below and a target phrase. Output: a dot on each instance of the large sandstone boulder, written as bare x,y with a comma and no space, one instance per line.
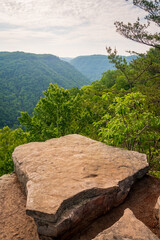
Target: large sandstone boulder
128,227
72,180
14,223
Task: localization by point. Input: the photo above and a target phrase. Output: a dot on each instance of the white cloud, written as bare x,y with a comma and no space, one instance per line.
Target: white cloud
65,27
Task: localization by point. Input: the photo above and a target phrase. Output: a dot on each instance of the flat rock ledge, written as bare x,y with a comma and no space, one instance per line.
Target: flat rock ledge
72,180
128,227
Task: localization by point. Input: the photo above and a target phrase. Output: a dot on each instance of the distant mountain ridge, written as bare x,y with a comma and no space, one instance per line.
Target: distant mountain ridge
23,77
93,66
67,59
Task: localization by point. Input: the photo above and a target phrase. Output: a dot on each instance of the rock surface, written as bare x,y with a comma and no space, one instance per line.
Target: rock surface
157,211
141,201
72,180
128,227
14,223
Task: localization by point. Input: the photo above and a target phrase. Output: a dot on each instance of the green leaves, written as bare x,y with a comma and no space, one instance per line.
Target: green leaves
9,139
137,31
132,125
52,115
23,77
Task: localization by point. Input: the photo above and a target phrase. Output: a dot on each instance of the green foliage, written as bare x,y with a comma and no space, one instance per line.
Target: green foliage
93,107
109,78
155,165
131,126
151,7
9,139
63,112
52,115
135,119
137,31
23,77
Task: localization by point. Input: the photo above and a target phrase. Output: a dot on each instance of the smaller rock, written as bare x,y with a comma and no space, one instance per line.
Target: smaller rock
14,223
128,227
157,211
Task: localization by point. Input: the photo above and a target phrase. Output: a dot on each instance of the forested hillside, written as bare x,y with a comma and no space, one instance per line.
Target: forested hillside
23,78
94,65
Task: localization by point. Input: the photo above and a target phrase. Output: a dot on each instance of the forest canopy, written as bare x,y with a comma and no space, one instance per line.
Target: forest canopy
24,77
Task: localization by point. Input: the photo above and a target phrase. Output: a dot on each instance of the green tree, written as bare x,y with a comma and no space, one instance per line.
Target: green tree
131,125
137,31
109,78
9,139
54,115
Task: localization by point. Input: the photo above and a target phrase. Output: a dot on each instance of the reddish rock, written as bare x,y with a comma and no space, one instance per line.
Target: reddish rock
14,223
157,212
128,227
72,180
141,201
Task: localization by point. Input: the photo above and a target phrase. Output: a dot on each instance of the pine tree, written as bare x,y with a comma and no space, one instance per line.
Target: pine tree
139,32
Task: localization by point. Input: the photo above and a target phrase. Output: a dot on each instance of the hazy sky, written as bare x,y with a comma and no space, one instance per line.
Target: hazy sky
66,28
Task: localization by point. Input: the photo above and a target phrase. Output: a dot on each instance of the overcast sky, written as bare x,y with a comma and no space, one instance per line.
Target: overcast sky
66,28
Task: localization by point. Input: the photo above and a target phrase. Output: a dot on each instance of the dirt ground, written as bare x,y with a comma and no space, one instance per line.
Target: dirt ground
16,225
